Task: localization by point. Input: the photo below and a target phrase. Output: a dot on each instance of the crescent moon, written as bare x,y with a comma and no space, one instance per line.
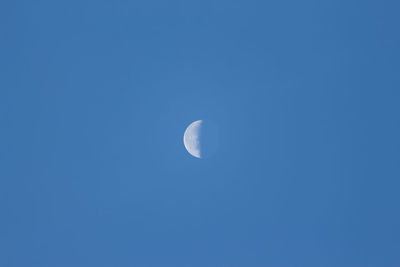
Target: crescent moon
191,138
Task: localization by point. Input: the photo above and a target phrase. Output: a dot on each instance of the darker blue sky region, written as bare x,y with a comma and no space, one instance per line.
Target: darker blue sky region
95,97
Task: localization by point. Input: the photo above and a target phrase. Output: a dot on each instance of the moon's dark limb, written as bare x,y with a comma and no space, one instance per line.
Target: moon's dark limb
208,139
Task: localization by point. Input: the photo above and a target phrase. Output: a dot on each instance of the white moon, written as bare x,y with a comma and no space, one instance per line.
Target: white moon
191,138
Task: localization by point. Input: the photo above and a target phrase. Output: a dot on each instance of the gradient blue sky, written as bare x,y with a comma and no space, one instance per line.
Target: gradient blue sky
95,97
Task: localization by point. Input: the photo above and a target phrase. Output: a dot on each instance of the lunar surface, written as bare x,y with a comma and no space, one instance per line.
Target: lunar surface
201,138
191,138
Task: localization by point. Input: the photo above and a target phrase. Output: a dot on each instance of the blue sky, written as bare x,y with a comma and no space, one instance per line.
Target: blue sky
95,97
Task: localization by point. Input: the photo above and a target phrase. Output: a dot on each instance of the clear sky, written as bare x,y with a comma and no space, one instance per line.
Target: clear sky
95,97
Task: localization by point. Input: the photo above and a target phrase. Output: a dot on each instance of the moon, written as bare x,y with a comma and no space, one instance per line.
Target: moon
191,138
201,139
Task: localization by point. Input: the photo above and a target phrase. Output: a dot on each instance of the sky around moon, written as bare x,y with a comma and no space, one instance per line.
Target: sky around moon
96,95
